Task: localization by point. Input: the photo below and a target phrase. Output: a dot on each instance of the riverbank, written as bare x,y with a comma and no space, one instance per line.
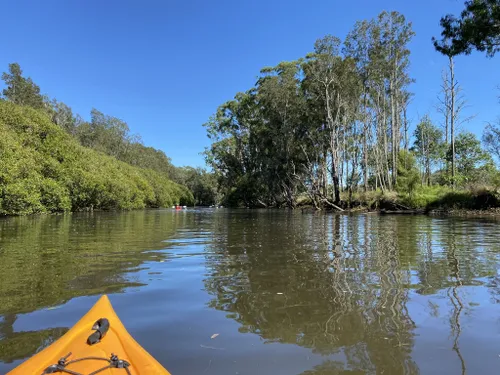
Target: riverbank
435,199
43,169
428,200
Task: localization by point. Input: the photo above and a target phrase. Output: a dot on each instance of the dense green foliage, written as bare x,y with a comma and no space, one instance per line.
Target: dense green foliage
324,127
329,121
44,169
54,160
201,183
428,146
478,27
473,163
408,174
21,90
112,136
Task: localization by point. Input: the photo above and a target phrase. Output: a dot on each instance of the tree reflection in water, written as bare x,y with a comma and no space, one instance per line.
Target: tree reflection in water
344,288
340,285
48,260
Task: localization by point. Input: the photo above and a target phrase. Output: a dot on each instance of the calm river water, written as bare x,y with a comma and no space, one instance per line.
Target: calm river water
287,292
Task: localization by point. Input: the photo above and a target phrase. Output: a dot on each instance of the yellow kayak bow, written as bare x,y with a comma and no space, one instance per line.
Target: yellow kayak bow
98,344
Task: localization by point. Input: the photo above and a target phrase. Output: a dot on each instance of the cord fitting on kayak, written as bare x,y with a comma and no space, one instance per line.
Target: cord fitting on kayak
59,367
62,365
117,362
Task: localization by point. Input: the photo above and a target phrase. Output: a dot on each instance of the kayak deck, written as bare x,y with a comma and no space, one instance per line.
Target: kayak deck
96,358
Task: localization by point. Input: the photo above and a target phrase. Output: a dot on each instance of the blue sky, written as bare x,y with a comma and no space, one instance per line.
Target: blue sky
165,66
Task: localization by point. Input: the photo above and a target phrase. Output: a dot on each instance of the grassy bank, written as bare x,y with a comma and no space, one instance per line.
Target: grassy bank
434,198
44,169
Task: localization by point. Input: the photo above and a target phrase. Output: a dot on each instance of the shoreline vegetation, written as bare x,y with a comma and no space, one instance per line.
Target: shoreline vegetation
44,170
331,129
431,201
52,160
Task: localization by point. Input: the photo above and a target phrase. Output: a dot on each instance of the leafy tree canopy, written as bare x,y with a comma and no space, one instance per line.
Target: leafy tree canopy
478,27
21,90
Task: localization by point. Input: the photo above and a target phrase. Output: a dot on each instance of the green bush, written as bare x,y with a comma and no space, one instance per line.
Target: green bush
408,174
424,196
21,197
54,197
466,199
44,169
